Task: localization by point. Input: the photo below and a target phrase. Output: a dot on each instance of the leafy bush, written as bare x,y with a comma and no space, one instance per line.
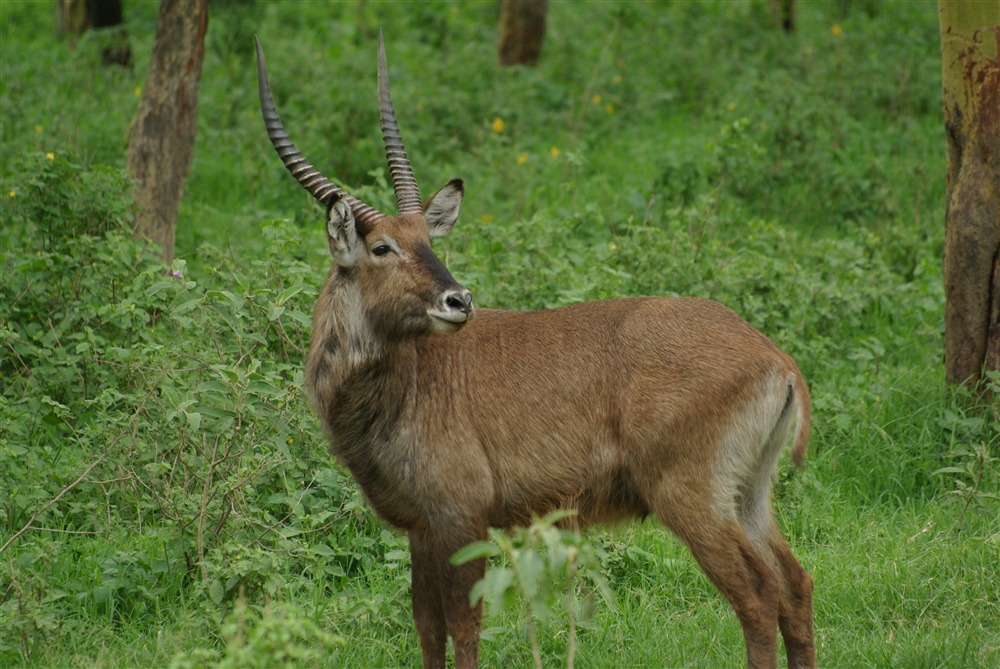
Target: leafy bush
159,413
551,571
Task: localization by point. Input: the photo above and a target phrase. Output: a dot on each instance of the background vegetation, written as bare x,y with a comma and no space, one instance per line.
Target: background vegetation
154,438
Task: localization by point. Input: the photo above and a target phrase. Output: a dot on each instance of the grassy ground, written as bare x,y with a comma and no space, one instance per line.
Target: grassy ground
682,148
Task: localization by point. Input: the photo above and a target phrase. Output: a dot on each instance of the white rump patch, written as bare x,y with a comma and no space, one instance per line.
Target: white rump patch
750,451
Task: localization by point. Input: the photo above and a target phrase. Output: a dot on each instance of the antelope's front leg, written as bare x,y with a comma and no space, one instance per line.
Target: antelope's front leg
464,621
428,609
455,583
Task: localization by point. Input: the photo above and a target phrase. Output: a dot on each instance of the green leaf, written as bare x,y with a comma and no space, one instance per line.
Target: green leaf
237,302
557,551
261,388
227,373
553,517
274,312
54,596
159,287
322,549
213,385
529,567
15,449
478,591
288,293
474,551
498,584
193,419
216,592
214,412
26,560
184,303
300,318
241,281
949,470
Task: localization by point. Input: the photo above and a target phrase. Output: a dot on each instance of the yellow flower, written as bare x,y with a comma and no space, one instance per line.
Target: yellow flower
612,246
610,108
731,106
12,194
50,155
498,125
38,129
836,30
487,218
596,99
138,91
290,442
617,79
522,159
554,152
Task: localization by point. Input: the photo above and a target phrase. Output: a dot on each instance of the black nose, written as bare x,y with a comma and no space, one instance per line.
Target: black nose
459,301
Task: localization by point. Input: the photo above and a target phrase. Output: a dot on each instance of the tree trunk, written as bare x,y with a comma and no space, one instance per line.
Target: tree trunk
161,144
783,12
84,14
970,48
522,27
75,17
72,17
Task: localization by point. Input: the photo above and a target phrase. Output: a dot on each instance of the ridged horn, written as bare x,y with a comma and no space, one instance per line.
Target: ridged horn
403,183
311,179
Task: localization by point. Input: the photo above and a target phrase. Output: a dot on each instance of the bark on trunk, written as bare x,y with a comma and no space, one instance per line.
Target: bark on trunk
161,145
522,28
970,48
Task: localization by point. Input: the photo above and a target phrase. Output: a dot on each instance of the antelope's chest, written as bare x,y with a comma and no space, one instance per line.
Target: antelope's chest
375,443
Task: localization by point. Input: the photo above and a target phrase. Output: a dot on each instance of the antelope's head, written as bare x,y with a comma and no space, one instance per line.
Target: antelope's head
404,286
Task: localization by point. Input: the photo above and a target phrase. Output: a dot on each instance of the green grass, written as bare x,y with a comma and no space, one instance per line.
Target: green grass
798,179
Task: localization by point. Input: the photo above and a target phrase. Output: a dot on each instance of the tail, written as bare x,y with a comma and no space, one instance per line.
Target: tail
803,417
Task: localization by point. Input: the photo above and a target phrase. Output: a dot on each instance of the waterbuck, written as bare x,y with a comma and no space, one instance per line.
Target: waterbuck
451,424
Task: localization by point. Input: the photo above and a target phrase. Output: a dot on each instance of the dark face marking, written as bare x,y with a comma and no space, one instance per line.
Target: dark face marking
442,277
347,273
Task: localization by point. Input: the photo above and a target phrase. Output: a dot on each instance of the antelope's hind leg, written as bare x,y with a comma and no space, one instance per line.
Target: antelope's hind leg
729,559
795,617
795,586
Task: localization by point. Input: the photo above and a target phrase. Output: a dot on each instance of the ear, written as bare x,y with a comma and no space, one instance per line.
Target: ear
441,209
342,234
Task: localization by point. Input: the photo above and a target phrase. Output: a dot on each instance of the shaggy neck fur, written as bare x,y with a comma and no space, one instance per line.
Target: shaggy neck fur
362,389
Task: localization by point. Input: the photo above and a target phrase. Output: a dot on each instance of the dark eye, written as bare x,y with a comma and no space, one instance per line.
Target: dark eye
381,250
